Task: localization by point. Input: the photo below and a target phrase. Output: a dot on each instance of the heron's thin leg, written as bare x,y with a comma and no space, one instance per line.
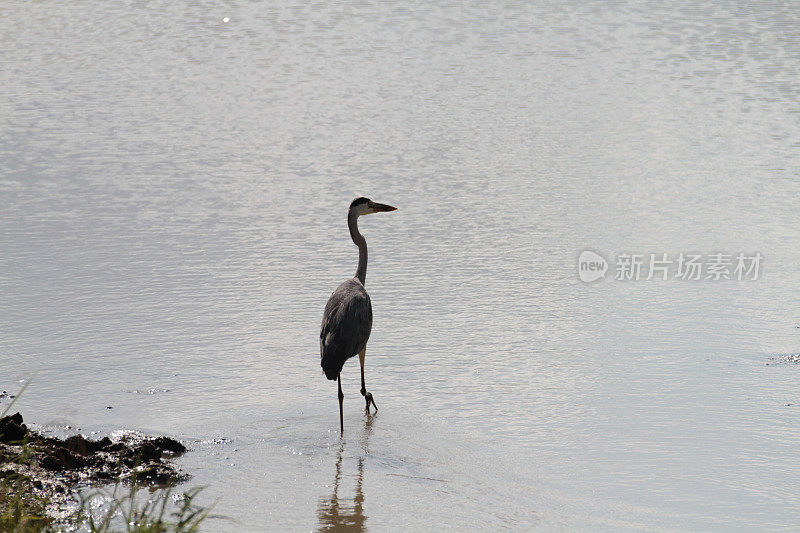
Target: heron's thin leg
367,395
341,399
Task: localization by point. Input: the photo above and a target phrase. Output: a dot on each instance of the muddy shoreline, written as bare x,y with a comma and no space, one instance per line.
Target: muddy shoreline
45,473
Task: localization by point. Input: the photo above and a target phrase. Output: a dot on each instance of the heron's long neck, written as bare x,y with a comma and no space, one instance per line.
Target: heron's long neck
361,242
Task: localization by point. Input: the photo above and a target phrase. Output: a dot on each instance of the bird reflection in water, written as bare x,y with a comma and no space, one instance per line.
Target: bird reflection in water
344,514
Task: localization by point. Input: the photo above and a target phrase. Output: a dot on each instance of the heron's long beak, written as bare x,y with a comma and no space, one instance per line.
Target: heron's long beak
382,207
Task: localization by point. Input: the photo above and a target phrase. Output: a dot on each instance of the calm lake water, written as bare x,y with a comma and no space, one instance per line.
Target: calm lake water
174,182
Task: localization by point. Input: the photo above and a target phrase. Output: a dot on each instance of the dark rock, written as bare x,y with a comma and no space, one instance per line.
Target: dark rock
61,459
147,452
48,462
12,429
77,444
139,455
166,444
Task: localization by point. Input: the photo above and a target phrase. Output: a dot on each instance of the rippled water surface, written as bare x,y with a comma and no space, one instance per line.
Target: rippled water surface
173,195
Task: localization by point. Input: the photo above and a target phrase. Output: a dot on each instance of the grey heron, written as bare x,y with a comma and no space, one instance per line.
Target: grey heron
347,320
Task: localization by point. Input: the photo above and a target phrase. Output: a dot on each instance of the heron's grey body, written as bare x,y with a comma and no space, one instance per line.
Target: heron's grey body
346,325
347,320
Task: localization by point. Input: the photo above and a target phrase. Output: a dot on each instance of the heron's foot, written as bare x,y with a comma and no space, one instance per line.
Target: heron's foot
370,400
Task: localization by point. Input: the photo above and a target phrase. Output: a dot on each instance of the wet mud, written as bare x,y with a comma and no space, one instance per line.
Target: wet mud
49,469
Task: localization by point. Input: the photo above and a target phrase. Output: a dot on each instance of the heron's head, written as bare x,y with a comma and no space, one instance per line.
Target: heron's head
365,206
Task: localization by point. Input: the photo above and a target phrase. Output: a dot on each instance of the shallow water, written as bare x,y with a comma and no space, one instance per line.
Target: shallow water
173,194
